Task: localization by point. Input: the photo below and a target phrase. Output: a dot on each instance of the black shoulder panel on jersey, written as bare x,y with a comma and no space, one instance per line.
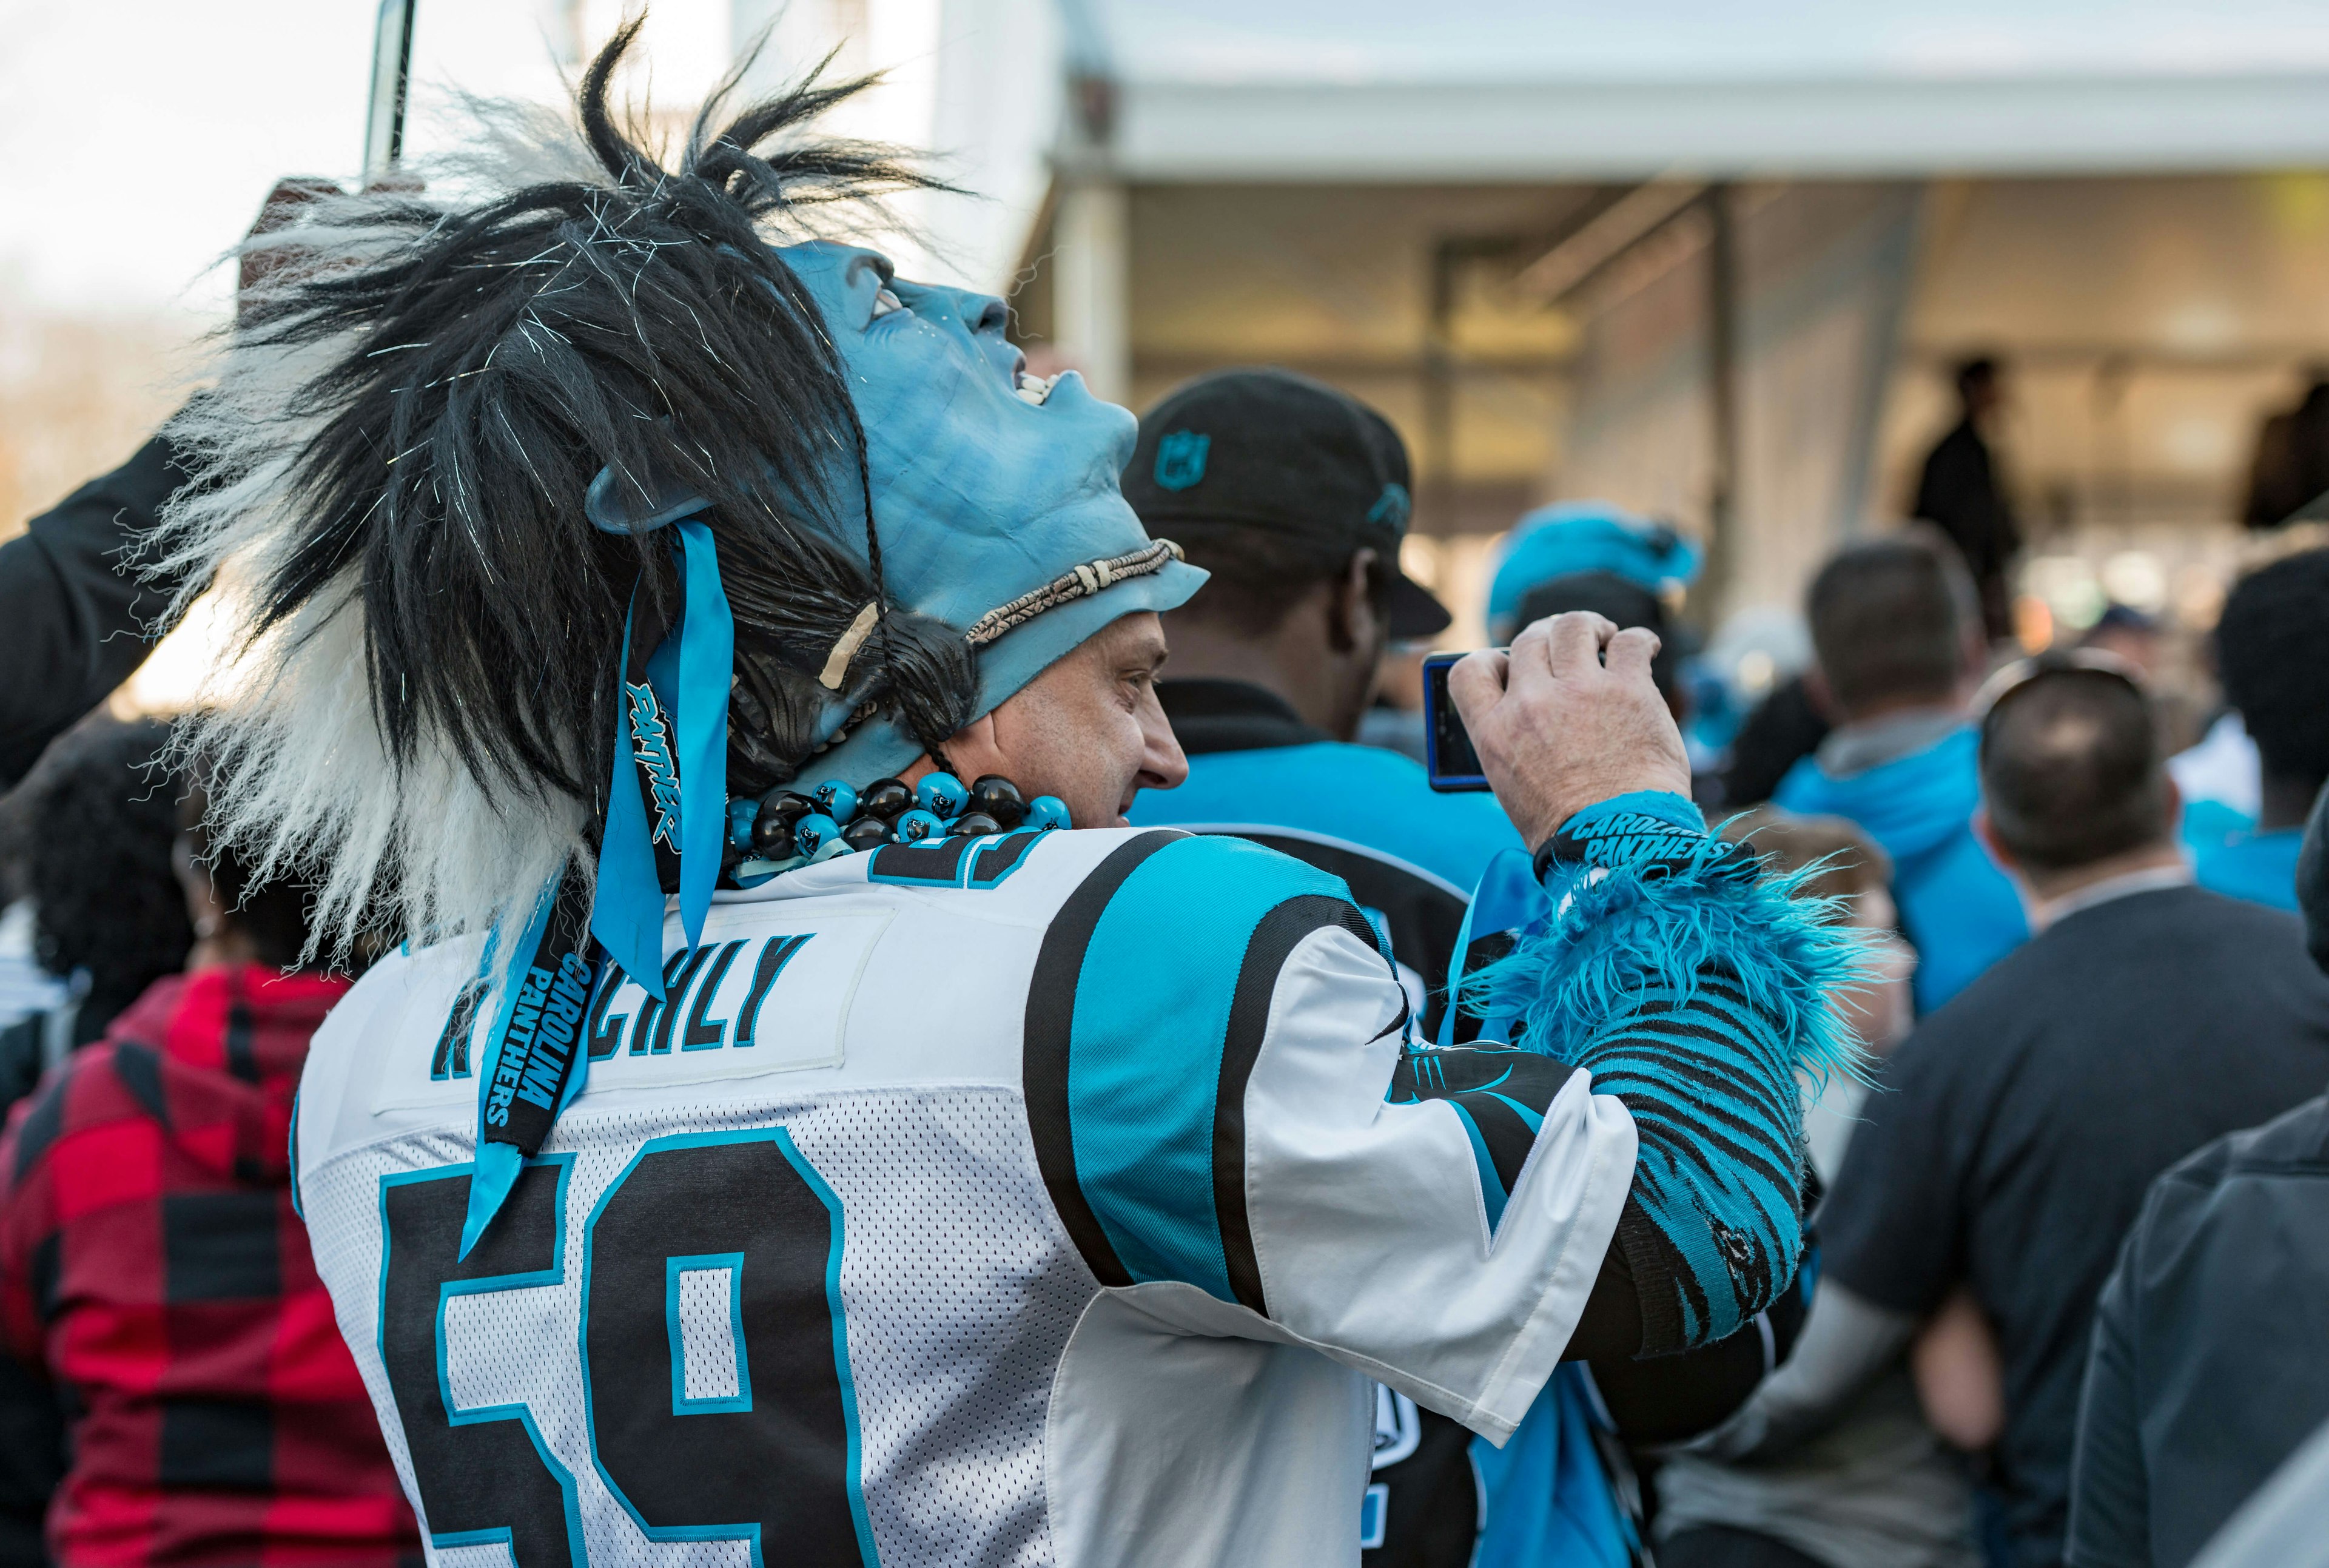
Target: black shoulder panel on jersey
1274,941
1502,1092
451,1057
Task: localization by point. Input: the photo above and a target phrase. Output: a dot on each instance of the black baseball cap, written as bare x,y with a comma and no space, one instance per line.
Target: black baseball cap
1269,449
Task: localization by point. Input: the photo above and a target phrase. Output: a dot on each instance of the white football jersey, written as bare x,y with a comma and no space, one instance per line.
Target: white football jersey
1037,1199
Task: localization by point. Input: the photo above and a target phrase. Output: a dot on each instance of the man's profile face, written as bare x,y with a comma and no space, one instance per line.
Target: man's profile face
1088,729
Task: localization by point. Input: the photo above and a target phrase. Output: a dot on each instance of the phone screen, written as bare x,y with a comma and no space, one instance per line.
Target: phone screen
1448,755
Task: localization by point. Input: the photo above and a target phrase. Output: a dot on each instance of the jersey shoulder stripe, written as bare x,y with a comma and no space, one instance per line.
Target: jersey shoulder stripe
1147,1009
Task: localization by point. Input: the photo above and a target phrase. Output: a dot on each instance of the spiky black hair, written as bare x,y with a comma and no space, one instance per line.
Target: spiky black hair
513,350
403,433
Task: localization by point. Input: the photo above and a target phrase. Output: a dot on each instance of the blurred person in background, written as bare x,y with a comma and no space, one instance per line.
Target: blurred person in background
2285,1523
1957,491
1394,720
79,616
1849,865
1589,539
1879,1489
1897,639
2291,466
25,988
2207,1371
2026,1118
2272,656
154,1273
1785,727
2130,635
90,830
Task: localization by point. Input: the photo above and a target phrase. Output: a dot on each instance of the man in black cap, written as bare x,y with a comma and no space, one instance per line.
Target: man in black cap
1295,496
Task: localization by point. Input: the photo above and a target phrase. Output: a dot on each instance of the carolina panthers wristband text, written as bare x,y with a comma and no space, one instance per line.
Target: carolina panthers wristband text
1640,828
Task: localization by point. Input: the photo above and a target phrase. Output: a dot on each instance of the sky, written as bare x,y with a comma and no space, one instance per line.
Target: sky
141,135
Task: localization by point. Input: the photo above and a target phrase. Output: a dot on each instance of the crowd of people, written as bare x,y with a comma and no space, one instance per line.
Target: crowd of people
1892,1144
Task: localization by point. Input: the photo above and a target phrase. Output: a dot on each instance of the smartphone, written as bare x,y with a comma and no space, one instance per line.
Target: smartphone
1447,752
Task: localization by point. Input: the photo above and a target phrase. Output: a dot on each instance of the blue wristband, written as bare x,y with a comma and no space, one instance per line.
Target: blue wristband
1642,827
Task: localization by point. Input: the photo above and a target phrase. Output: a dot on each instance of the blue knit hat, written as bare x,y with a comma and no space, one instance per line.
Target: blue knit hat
1577,536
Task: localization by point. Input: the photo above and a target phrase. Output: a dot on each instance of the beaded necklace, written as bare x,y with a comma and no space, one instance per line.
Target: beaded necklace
788,829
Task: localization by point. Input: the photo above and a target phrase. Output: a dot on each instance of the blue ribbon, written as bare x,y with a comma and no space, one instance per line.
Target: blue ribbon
685,675
690,682
707,659
627,910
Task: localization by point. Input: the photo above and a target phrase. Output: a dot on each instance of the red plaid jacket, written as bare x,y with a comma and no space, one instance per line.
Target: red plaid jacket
151,1265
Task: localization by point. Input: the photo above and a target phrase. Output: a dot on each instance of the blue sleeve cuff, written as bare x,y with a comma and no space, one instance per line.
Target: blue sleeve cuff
1638,827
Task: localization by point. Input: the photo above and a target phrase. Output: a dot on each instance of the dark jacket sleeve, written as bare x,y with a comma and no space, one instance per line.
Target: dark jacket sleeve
77,622
2110,1488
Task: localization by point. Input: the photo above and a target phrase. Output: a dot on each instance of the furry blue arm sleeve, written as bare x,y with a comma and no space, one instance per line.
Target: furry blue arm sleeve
1692,988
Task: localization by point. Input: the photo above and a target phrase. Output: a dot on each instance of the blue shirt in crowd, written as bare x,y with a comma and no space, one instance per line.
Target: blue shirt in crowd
2232,858
1411,854
1294,777
1958,906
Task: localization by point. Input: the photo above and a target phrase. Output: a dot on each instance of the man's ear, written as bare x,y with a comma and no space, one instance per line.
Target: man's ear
2172,799
1983,830
975,750
1352,623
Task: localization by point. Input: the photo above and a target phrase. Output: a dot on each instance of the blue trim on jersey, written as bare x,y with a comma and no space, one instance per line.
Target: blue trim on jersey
1492,1196
817,1184
1145,1046
832,1201
487,1285
1533,1121
297,1209
732,1265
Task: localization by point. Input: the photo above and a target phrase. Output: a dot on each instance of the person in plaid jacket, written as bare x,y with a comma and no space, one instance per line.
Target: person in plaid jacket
153,1268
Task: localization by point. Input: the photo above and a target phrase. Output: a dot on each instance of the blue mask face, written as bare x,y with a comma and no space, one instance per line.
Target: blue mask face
981,491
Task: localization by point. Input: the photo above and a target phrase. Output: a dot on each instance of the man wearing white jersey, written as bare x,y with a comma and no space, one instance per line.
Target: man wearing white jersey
918,1183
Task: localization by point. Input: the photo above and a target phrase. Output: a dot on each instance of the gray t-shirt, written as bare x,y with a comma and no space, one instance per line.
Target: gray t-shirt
1875,1490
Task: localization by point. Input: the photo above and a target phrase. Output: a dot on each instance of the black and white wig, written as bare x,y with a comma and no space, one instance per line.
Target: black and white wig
393,466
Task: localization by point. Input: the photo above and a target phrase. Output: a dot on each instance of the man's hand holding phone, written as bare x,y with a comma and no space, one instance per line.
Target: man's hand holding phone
1567,716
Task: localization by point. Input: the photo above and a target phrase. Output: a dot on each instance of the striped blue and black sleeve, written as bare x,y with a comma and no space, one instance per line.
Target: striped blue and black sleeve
1691,987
